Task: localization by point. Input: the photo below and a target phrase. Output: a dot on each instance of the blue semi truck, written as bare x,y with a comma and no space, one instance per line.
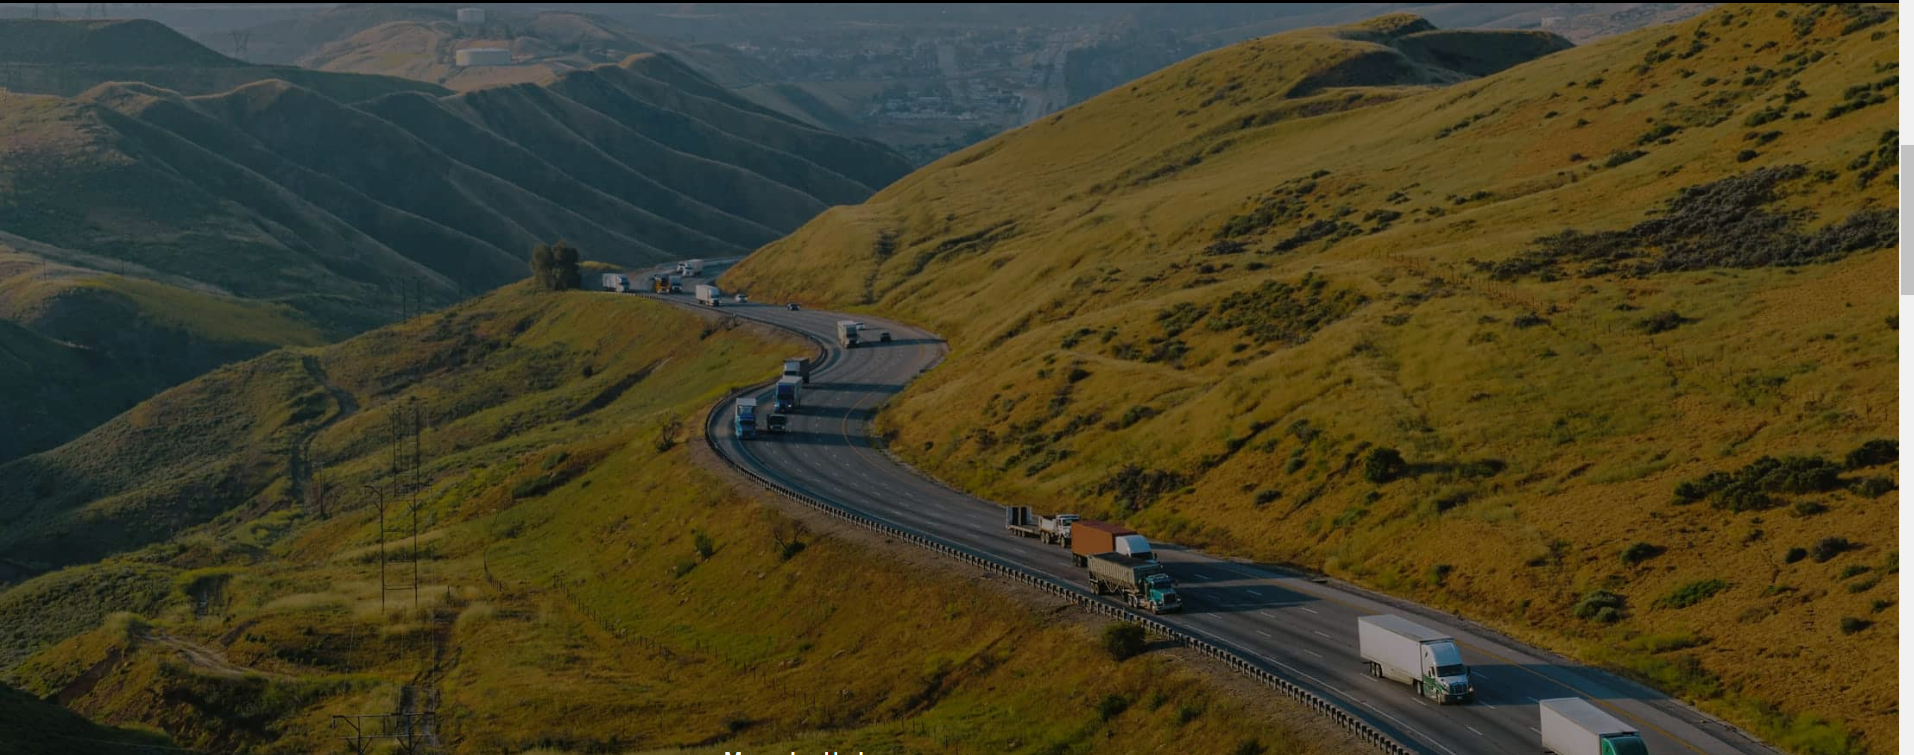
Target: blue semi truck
787,392
744,419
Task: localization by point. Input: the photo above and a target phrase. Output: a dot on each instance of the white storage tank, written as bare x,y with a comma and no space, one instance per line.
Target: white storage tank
484,56
472,16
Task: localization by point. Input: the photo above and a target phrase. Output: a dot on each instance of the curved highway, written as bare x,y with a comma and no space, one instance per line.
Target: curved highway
1298,628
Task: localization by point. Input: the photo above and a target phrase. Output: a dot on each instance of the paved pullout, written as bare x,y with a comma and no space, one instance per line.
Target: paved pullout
1297,626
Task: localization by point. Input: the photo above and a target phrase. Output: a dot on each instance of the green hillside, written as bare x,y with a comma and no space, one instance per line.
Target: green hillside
1599,349
283,191
587,584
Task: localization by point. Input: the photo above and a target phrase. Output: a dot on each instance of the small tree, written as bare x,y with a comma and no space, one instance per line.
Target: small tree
1123,640
555,267
1383,465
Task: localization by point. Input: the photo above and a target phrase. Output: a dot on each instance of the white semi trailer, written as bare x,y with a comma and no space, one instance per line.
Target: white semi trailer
1573,726
709,295
1401,650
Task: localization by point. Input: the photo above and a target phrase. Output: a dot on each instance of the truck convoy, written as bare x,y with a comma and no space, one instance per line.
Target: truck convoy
709,295
1398,649
1088,538
1142,584
744,419
798,367
691,268
1573,726
787,393
614,282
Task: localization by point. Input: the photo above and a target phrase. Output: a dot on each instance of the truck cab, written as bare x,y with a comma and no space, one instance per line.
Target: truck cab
787,393
1444,676
1160,594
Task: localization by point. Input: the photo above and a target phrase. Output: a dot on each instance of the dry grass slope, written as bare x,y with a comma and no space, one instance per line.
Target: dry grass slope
587,587
1343,324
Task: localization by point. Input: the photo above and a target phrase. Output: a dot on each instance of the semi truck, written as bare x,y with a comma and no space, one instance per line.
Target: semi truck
1089,538
847,333
744,419
798,367
1401,650
615,282
1142,584
661,284
709,295
787,393
1573,726
691,268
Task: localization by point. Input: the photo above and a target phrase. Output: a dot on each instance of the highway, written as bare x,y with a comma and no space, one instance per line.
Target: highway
1297,627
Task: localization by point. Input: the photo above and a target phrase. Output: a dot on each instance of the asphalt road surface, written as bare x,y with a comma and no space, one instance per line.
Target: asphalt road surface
1296,626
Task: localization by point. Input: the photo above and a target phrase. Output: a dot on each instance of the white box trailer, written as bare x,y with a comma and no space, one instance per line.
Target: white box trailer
1398,649
1573,726
709,295
691,268
615,282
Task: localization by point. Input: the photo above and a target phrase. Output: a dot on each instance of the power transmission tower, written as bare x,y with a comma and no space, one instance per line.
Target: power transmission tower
414,733
399,513
96,10
239,43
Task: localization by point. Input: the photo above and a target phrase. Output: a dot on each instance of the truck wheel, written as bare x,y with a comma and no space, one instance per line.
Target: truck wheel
1419,690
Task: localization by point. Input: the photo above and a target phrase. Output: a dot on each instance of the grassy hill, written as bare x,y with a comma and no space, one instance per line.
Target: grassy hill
288,193
1598,349
586,584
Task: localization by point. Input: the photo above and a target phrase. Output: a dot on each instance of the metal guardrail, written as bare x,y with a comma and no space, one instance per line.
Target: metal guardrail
1233,657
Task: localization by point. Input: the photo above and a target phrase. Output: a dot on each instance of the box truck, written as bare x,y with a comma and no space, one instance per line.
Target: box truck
691,268
1142,584
709,295
744,418
847,333
1573,726
1401,650
614,282
799,368
1088,538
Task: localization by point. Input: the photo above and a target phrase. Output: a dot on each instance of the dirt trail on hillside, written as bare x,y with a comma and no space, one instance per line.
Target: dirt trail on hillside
301,468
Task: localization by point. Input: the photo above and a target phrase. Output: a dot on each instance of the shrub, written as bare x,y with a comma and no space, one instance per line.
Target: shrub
1874,453
1873,487
1853,570
1808,508
1600,605
789,549
1864,585
1795,555
1383,465
1267,497
1077,375
1622,157
1879,605
1111,706
1829,547
1188,712
1746,155
1136,488
1662,322
1851,625
1692,593
1124,640
1439,573
702,543
1251,746
1638,552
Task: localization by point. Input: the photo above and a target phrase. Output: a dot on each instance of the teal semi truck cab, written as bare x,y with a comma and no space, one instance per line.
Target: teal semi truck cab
1142,584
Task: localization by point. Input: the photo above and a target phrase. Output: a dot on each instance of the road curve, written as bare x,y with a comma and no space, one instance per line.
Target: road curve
1296,627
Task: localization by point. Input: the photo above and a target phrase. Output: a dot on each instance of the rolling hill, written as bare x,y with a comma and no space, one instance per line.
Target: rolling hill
587,584
338,201
1598,349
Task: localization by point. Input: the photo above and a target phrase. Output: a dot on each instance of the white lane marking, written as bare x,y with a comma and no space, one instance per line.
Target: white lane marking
1264,634
1200,575
1312,652
1311,610
1479,675
1471,728
1267,614
1422,702
1533,729
1256,592
1486,705
1533,700
1324,636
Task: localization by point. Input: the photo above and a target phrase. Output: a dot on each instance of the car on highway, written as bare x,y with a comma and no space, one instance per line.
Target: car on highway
793,306
740,299
884,336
